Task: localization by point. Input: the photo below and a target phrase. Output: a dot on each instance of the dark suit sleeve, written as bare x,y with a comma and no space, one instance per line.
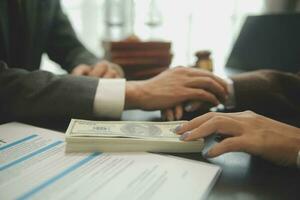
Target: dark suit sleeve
40,95
63,45
268,92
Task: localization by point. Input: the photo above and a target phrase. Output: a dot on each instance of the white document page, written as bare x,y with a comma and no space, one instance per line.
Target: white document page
34,165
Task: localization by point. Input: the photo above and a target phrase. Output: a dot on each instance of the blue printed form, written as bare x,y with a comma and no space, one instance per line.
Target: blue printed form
34,151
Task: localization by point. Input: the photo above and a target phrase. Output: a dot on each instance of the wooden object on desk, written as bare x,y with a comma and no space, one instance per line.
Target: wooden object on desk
140,60
204,61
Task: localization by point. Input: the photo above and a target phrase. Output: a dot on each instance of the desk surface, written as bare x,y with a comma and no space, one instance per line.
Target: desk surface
243,176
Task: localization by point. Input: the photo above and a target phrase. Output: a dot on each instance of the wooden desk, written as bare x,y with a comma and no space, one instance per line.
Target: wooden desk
243,177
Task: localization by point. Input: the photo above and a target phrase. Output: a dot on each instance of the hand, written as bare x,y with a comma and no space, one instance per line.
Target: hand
249,132
103,69
172,114
177,112
173,87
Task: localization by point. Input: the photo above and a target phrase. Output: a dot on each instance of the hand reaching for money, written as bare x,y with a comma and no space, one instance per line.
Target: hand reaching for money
174,87
247,132
176,112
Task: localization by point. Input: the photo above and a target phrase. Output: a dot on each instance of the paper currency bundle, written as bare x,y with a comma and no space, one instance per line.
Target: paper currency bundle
126,136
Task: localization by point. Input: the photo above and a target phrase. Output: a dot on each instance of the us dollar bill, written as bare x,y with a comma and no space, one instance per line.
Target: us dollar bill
125,129
127,136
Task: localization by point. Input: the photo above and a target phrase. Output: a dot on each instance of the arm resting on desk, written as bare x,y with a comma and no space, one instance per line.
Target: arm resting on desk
42,95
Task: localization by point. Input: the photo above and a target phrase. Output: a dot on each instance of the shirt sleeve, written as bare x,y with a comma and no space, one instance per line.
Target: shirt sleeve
110,98
230,102
298,160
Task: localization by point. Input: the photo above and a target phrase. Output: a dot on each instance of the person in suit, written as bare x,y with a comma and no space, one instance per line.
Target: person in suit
40,95
30,28
269,93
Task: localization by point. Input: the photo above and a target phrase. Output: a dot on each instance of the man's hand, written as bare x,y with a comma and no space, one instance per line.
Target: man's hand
103,69
172,114
174,87
248,132
177,112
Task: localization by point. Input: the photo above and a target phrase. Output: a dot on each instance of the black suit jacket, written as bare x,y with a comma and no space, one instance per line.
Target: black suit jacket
31,95
269,92
49,31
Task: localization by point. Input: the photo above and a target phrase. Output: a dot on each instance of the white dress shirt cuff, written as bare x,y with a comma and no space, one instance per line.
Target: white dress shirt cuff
298,160
109,98
230,102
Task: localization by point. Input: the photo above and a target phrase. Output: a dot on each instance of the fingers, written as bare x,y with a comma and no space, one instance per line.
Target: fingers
202,126
118,70
99,70
170,115
206,78
104,70
222,82
81,70
210,85
234,144
110,74
220,124
202,95
198,121
173,114
197,72
178,112
194,123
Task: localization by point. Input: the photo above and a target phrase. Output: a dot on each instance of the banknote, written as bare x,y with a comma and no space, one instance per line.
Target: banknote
128,129
127,136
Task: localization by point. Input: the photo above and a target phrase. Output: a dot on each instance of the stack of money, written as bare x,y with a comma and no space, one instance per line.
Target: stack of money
126,136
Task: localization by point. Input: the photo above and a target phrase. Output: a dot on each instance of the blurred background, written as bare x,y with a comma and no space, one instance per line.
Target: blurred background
190,25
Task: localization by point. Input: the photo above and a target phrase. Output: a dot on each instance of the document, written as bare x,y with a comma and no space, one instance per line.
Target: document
120,136
34,165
